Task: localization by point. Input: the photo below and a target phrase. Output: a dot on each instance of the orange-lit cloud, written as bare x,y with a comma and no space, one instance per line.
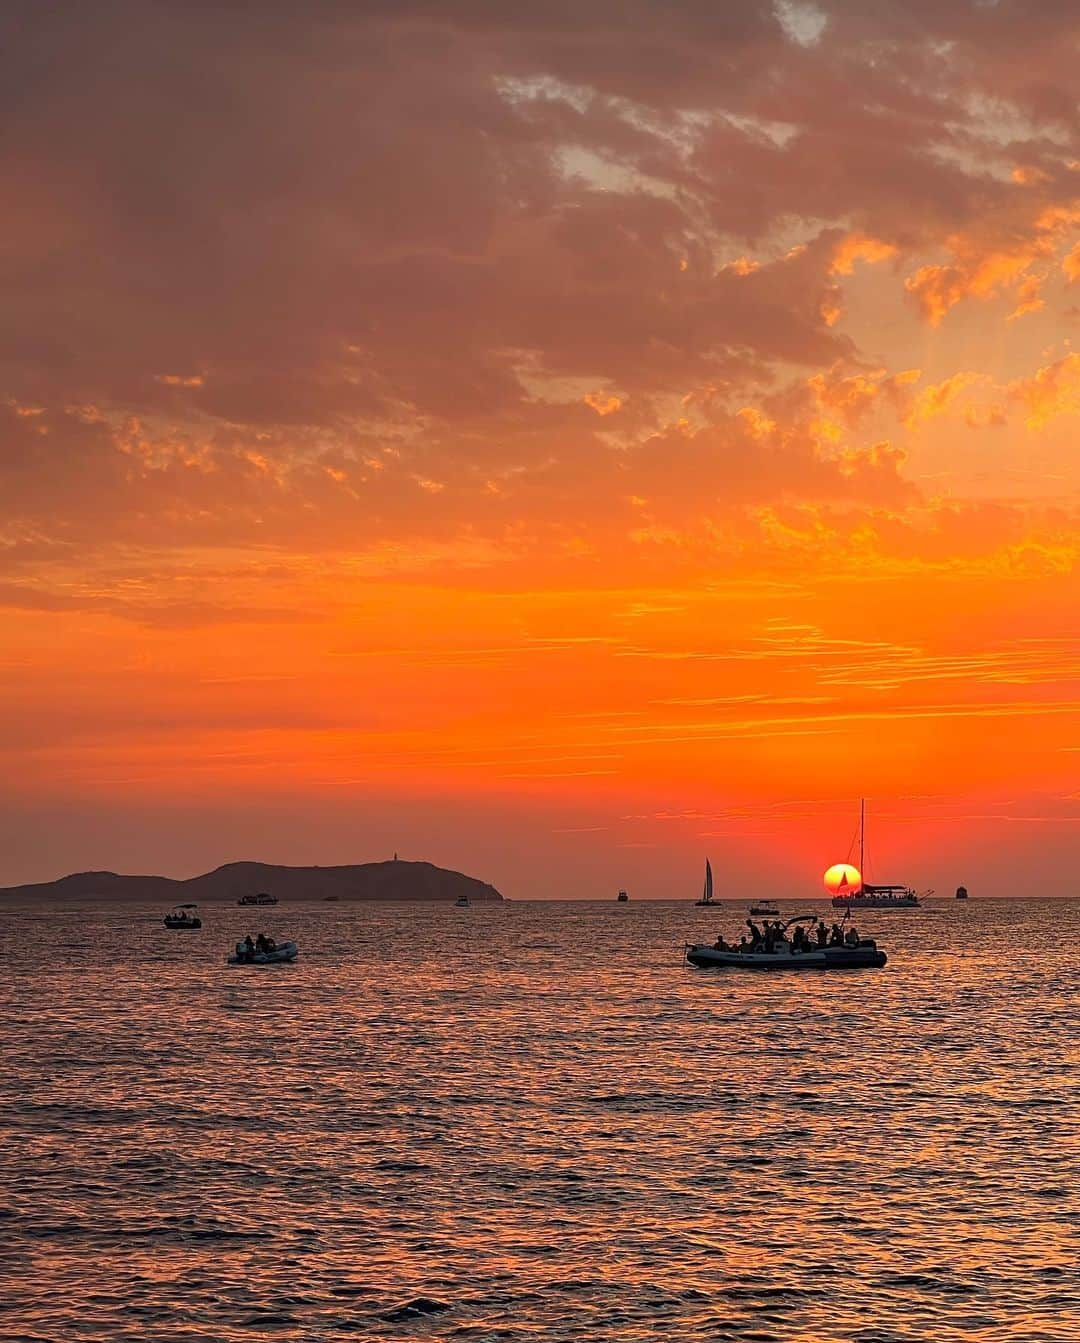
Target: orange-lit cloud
858,248
1053,390
938,288
937,399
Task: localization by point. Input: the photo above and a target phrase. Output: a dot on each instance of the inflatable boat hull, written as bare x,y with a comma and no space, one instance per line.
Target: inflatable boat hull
280,956
865,956
185,926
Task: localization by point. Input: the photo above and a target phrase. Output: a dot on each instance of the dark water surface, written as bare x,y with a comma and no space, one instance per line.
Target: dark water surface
530,1121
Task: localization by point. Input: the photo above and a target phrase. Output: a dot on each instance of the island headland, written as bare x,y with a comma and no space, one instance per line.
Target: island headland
393,880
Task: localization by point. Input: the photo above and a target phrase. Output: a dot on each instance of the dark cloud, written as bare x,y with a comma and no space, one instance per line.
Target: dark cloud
294,274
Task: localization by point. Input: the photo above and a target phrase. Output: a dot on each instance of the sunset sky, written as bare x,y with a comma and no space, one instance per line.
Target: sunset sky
559,441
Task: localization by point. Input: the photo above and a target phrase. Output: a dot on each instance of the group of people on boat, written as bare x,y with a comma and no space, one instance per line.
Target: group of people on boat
255,946
771,937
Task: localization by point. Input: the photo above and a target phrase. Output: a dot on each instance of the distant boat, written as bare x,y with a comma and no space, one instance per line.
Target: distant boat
276,954
707,891
869,896
462,902
261,899
183,917
764,907
961,893
622,898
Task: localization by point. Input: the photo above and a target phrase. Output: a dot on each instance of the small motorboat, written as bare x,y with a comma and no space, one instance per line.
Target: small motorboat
280,955
961,893
622,898
462,902
707,890
765,907
263,898
183,918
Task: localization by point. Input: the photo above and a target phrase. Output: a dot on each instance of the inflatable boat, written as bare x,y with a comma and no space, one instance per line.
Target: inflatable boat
864,955
281,955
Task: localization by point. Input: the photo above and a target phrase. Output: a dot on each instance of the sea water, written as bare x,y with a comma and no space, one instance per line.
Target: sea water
534,1122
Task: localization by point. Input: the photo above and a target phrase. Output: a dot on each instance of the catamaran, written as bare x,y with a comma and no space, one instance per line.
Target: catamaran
707,889
862,894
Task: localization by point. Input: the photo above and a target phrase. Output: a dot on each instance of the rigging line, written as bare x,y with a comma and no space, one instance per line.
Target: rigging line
851,846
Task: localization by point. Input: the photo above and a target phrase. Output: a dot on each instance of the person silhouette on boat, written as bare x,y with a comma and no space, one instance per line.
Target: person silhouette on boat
837,938
720,944
755,934
852,938
822,934
798,939
248,945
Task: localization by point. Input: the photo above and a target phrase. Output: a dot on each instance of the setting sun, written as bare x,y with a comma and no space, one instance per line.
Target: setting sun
843,879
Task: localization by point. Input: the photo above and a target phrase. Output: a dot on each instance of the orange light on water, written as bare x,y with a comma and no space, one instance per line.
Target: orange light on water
843,879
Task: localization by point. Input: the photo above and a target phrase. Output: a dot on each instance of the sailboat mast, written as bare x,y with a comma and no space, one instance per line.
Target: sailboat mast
862,839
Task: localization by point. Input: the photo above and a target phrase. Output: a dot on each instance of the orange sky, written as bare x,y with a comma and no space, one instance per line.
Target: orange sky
560,447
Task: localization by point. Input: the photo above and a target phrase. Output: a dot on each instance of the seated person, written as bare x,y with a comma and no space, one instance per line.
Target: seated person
852,938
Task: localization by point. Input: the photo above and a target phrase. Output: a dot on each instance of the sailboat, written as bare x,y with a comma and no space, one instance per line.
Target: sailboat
707,889
864,895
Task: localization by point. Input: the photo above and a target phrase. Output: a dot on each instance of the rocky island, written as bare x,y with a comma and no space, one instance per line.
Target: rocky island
394,880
